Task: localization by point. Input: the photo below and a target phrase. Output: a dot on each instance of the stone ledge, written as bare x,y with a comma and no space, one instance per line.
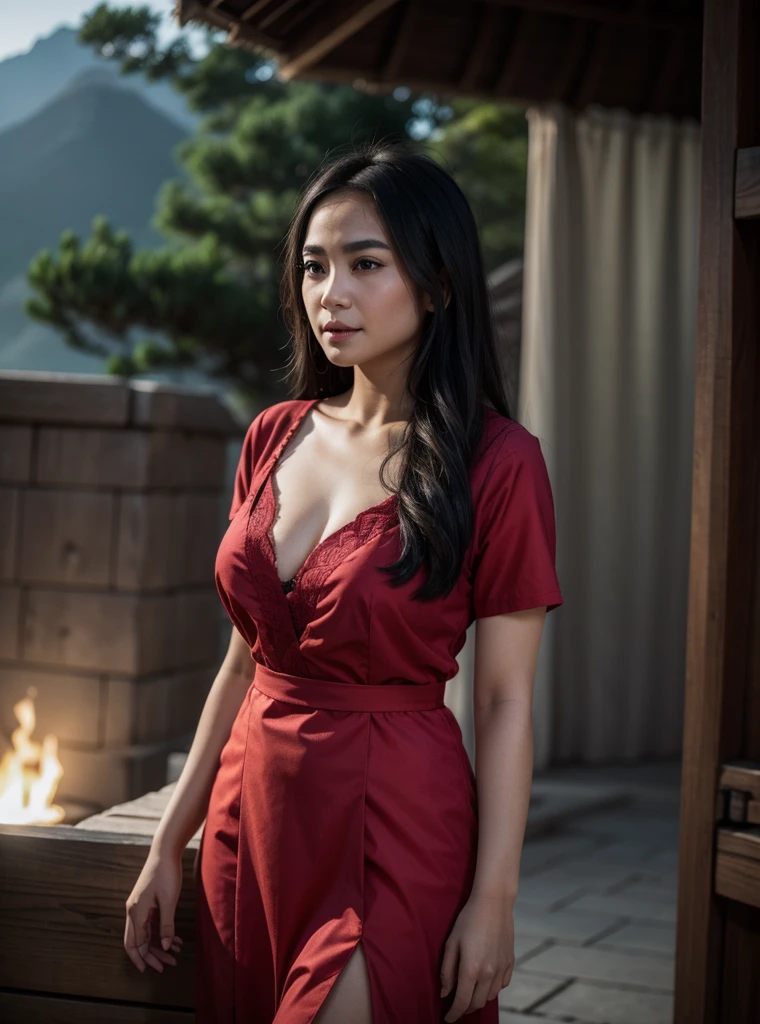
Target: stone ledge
102,400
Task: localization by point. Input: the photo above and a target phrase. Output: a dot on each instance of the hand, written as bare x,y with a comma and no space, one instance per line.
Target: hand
483,941
155,894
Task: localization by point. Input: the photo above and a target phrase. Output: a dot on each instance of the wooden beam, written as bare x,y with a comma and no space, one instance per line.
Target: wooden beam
670,70
607,14
275,14
747,189
588,89
306,12
22,1008
737,866
562,86
62,896
238,33
342,23
252,9
513,54
401,43
486,30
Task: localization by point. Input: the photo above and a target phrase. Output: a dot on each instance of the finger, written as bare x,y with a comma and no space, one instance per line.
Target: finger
448,968
463,997
130,943
507,975
163,956
143,932
480,993
152,960
144,947
495,988
166,911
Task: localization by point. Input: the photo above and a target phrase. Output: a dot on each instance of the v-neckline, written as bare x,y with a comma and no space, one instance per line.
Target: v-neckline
377,509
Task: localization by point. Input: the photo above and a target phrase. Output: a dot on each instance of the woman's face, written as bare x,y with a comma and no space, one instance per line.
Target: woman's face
352,276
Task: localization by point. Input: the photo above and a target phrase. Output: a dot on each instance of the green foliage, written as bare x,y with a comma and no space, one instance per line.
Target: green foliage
485,148
210,297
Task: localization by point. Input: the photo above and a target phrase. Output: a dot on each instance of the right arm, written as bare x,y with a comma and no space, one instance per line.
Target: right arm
188,805
160,881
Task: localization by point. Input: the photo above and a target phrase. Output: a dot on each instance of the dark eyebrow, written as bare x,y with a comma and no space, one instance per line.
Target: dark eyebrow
365,243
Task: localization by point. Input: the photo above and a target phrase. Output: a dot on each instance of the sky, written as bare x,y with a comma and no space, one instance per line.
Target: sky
29,21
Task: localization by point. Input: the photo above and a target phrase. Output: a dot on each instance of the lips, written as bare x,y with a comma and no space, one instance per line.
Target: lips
340,332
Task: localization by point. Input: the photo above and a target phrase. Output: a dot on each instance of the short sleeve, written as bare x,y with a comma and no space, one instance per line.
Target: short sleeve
513,565
249,455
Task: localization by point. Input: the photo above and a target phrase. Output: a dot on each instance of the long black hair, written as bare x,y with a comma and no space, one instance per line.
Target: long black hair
455,368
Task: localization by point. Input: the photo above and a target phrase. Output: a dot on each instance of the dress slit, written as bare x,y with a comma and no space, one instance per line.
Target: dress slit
336,976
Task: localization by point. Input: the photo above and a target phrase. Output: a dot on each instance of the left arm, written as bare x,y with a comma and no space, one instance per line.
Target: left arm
506,655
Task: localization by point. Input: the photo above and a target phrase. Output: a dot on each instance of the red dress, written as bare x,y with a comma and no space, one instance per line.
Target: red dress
345,807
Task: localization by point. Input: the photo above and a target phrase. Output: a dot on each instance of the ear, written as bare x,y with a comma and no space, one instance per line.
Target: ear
447,288
447,291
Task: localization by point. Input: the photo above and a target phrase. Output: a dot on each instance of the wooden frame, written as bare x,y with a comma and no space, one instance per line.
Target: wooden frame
717,937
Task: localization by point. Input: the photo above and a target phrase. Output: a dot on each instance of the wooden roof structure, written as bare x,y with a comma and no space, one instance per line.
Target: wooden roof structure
642,55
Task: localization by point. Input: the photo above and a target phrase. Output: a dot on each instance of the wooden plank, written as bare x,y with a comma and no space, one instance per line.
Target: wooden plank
22,1008
62,914
741,843
747,190
738,878
744,775
136,817
149,805
740,781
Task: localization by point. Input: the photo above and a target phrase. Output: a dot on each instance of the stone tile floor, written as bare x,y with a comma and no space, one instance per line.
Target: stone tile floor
595,913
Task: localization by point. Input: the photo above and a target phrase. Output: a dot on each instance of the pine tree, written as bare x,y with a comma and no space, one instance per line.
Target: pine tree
210,297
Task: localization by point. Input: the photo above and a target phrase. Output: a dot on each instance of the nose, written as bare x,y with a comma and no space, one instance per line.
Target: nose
335,292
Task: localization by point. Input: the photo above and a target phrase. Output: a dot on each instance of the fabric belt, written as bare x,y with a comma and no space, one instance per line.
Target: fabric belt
329,695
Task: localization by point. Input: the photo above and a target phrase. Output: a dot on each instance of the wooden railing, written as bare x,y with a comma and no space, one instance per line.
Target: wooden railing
737,854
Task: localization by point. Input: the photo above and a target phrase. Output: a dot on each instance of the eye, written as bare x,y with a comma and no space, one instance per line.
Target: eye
305,264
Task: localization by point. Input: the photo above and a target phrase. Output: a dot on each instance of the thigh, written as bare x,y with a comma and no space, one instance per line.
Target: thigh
348,1001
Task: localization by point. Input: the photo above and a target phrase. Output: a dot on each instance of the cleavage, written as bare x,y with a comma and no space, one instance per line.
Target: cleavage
278,544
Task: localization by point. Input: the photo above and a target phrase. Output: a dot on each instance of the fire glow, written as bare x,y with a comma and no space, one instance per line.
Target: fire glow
30,773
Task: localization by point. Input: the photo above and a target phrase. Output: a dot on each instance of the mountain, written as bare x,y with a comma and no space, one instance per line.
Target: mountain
29,81
95,149
77,139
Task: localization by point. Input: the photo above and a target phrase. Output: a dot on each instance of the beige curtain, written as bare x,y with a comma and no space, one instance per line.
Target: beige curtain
607,384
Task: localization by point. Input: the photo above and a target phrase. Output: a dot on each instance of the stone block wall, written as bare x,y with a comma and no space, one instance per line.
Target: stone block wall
111,512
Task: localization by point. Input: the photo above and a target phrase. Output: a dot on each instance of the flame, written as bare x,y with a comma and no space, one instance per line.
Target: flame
30,773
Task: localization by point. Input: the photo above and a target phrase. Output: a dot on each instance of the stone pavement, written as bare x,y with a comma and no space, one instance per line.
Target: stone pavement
596,909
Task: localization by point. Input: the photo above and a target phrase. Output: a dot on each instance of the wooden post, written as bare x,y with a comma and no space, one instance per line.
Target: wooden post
717,938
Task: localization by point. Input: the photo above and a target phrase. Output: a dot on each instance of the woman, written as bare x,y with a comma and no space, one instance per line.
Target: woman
350,868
